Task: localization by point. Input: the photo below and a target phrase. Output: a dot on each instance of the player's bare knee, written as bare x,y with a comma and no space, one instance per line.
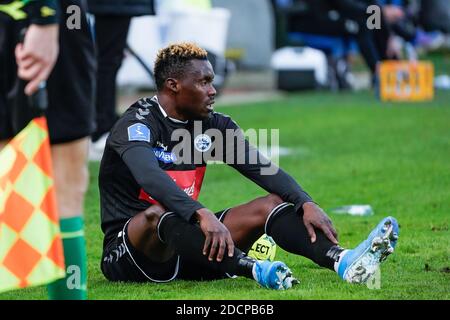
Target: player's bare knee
153,214
265,206
271,201
268,204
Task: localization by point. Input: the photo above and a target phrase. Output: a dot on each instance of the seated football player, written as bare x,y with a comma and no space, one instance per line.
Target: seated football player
150,179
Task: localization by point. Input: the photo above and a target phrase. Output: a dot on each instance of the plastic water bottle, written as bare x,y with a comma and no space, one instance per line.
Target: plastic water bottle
354,210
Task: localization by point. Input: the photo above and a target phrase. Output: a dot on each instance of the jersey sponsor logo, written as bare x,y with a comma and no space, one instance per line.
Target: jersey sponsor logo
202,142
164,156
161,145
190,190
189,181
138,132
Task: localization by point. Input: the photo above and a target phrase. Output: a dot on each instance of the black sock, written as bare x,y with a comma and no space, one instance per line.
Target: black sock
188,240
287,229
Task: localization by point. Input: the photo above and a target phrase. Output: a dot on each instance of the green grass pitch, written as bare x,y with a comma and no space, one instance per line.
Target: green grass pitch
345,149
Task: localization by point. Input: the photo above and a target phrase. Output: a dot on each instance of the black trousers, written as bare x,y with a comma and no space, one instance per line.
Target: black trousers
110,38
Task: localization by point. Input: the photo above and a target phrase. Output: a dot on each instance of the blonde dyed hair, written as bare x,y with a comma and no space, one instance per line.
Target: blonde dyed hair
173,61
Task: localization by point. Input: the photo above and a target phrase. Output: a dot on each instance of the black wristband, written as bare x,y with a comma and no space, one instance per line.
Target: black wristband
43,12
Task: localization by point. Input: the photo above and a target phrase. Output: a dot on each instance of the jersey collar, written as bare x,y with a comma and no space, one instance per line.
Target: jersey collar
164,113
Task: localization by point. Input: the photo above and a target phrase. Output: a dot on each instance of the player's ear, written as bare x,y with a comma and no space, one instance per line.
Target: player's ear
172,84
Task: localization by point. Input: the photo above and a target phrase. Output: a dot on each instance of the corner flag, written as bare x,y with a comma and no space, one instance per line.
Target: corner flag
31,251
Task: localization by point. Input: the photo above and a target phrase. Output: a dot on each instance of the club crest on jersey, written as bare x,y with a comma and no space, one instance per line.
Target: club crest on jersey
138,132
202,143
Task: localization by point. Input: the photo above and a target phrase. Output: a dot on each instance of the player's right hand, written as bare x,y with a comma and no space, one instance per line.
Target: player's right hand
218,238
37,55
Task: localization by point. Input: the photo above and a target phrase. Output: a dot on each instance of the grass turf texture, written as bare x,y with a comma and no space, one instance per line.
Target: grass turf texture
347,148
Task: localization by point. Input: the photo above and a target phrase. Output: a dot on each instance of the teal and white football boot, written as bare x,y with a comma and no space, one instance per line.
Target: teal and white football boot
359,264
273,275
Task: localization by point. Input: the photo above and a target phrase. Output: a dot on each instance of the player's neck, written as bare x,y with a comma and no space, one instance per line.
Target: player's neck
168,105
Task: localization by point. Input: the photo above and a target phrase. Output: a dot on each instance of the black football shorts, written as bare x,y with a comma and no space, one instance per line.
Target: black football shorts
122,262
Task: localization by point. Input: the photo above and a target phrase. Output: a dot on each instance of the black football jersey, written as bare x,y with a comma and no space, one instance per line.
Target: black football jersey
171,163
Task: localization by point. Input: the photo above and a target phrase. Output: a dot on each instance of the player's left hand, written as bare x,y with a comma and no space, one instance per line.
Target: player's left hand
315,217
218,239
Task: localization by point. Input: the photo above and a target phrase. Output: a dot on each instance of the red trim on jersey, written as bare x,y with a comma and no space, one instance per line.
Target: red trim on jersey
189,181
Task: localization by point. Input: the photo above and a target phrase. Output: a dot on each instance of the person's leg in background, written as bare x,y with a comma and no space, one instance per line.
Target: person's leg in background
70,121
71,180
71,92
368,48
110,38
